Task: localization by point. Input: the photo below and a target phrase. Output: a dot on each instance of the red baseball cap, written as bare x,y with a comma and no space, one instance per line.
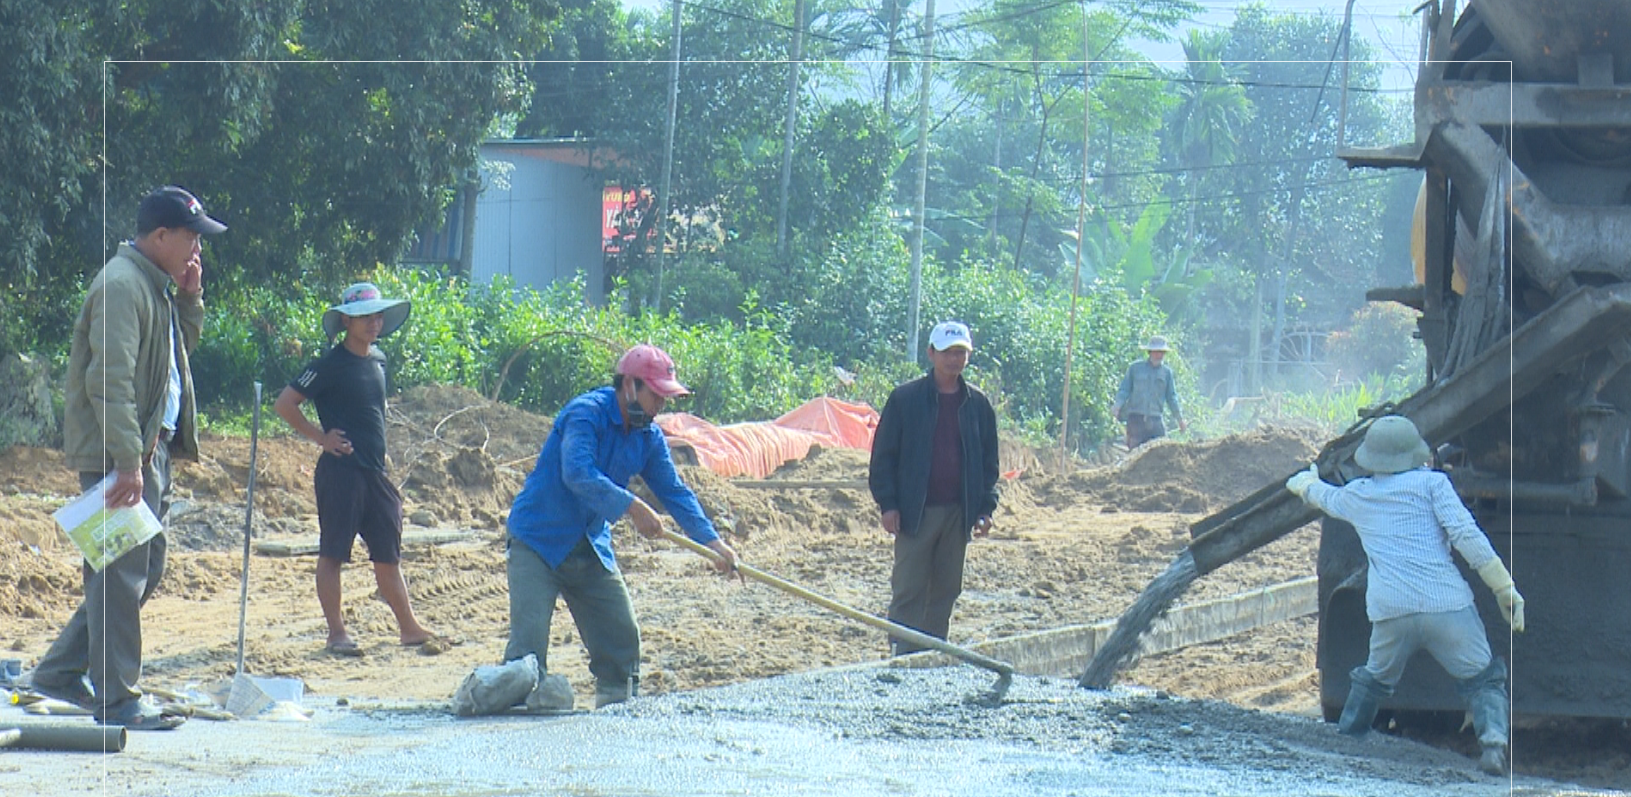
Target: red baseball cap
653,366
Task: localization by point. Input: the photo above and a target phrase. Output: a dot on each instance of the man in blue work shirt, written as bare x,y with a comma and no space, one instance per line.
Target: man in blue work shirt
560,536
1148,388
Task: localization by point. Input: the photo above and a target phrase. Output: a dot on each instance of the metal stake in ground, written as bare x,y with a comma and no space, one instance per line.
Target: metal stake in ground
249,695
249,525
1004,670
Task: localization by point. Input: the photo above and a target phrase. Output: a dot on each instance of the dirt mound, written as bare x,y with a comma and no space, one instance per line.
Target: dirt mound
826,464
1226,469
37,471
451,418
1171,476
209,526
36,585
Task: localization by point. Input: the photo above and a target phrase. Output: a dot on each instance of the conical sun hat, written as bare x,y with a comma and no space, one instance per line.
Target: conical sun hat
1392,445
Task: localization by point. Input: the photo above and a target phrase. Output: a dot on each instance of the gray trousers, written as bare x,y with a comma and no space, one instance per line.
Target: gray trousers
104,636
928,574
598,600
1456,639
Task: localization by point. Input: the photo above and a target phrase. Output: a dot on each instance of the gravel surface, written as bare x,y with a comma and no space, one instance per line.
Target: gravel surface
853,732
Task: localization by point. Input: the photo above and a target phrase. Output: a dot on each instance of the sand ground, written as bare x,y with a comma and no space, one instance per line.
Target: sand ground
1067,548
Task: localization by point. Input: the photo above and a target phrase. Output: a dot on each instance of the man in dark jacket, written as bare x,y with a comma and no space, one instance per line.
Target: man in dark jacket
934,476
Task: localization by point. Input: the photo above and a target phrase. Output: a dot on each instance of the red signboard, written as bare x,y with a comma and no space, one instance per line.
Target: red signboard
621,213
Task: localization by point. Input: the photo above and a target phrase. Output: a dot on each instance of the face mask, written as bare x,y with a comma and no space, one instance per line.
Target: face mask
637,415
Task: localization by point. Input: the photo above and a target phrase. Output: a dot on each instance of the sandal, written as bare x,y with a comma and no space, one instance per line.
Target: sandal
142,716
74,692
434,645
345,648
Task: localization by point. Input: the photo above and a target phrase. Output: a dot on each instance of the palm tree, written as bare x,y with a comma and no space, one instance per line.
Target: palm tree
867,29
1212,111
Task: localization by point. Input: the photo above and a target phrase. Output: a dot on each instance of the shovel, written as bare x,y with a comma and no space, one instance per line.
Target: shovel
1004,670
249,695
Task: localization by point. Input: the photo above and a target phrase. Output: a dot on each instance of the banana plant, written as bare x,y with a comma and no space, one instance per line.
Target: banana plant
1124,254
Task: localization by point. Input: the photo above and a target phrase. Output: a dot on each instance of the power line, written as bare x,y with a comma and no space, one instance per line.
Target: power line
1253,192
1212,167
910,57
1175,201
982,21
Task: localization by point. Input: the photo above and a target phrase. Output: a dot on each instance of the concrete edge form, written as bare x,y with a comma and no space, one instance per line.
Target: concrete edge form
1066,651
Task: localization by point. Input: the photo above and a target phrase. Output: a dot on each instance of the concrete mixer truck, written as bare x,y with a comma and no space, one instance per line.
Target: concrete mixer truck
1523,131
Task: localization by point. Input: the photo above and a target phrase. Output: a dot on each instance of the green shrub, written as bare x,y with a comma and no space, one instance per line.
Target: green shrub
1379,341
535,350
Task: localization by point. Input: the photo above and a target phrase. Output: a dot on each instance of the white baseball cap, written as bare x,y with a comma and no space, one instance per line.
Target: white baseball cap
948,334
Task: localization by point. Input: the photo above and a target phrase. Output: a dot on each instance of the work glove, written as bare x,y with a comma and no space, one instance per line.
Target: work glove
1299,484
1506,593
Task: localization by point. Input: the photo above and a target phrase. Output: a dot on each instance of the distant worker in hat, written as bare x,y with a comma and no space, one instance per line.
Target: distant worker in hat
1146,391
934,475
560,534
1408,518
129,409
355,494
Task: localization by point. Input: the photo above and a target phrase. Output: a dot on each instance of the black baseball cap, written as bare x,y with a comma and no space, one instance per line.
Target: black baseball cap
171,206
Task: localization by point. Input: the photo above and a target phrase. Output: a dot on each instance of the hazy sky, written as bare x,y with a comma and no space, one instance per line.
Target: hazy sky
1386,24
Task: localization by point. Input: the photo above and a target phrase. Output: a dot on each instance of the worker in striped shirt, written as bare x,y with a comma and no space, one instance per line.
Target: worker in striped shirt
1408,518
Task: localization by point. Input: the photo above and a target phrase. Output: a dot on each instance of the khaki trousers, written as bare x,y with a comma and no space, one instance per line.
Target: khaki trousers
928,574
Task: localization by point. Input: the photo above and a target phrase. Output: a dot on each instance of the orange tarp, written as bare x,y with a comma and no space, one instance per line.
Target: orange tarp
755,449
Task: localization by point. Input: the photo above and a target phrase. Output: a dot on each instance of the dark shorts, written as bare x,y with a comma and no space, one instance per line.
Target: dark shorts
357,502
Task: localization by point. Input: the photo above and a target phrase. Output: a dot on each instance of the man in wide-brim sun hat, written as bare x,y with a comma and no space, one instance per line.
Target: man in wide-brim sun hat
355,495
1146,392
1408,518
363,299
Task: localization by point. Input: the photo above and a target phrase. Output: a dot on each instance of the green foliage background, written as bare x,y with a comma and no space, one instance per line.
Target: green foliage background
538,350
327,134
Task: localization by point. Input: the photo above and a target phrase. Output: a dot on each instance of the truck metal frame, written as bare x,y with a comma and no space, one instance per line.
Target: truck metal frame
1523,130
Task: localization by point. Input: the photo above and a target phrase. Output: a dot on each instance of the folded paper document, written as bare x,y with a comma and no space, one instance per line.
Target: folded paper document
102,534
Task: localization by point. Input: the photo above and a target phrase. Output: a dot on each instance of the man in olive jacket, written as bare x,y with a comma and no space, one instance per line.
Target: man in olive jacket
934,475
130,410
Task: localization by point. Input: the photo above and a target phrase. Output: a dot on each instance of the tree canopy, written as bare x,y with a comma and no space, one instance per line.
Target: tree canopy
323,133
1202,197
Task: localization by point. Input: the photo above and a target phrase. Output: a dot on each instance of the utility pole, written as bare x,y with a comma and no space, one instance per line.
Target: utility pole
662,206
792,121
889,57
1347,39
1081,242
467,221
915,307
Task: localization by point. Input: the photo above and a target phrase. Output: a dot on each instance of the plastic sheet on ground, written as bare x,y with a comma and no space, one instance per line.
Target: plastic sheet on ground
756,449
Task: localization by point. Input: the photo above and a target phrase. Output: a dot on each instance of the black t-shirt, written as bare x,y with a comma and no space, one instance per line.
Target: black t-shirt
349,392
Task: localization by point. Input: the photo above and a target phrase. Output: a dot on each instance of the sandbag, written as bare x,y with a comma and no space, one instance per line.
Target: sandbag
493,689
553,693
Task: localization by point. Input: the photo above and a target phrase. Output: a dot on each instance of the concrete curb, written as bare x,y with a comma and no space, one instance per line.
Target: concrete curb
1066,651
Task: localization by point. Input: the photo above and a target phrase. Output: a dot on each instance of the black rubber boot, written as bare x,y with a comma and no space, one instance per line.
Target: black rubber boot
1365,698
613,693
1486,698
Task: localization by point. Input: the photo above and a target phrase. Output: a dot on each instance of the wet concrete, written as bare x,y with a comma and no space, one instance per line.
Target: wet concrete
856,732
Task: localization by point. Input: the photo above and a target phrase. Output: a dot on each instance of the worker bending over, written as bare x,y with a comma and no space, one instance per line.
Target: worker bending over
1408,517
